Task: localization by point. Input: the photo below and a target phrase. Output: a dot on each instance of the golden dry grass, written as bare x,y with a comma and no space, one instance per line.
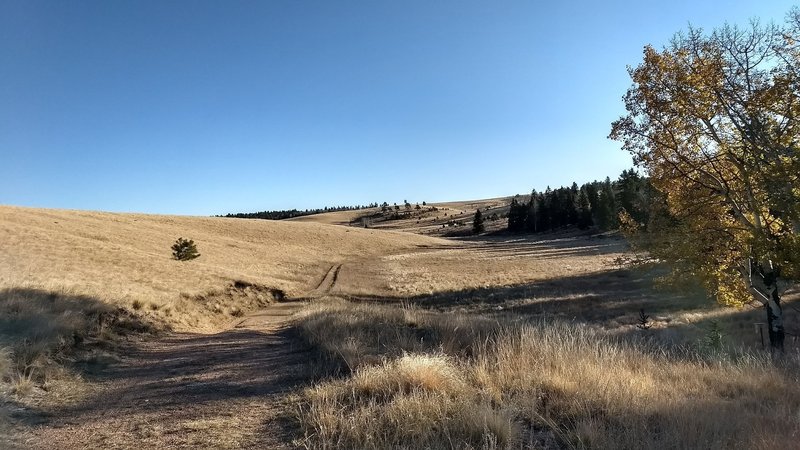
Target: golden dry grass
514,383
125,259
490,342
71,276
480,263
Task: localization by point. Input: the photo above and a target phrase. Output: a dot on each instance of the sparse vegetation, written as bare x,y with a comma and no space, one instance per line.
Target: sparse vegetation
644,321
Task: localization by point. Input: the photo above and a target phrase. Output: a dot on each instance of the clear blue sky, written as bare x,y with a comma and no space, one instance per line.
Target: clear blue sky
195,107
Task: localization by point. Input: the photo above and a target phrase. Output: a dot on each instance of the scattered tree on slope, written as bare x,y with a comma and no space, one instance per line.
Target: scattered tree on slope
477,222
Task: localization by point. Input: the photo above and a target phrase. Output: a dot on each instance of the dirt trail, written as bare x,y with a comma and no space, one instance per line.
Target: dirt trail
328,281
193,390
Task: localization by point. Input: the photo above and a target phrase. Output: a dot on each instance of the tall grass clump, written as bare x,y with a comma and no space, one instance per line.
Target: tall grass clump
39,328
418,380
348,335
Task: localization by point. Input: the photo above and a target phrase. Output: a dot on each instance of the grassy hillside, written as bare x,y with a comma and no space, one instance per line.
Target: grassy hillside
73,284
433,219
125,259
499,341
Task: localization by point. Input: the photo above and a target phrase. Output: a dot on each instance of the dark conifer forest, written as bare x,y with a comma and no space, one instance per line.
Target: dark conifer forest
593,205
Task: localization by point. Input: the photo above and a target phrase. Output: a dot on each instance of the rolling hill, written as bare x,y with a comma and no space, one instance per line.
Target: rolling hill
125,259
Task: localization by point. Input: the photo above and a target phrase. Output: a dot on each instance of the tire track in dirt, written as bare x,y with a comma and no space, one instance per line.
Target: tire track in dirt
327,282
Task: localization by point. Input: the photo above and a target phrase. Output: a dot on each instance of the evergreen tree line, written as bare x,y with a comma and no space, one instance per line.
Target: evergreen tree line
593,205
289,213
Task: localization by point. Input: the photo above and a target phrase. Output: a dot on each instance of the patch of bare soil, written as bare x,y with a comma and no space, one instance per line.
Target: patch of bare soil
186,390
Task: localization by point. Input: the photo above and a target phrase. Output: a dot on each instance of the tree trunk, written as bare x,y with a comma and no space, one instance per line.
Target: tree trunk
775,319
765,288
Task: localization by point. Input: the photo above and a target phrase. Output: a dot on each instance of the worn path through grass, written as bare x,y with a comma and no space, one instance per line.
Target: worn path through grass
189,390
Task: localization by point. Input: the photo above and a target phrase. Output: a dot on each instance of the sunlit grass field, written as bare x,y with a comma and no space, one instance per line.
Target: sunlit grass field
497,341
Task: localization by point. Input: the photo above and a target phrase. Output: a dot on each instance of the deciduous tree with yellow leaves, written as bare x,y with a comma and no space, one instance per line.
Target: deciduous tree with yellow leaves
713,120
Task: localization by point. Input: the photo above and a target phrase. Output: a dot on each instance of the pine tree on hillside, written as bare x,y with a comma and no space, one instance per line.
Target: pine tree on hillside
591,193
633,195
477,223
542,213
606,214
555,208
572,204
184,249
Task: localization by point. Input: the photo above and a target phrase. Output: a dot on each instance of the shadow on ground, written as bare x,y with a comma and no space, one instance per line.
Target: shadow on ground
614,299
182,390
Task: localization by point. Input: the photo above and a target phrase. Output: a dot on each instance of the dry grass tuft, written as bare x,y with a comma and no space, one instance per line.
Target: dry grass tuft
6,363
415,401
352,335
410,372
533,384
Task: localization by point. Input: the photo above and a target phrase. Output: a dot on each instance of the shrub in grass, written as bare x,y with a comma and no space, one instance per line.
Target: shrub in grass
184,249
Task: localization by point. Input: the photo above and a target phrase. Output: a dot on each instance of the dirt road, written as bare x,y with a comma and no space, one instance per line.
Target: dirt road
225,390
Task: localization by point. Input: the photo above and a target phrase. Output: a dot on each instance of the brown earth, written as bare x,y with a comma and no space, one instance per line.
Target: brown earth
189,390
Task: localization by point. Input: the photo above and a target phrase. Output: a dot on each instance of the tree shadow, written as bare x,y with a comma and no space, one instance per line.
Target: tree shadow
45,336
182,378
184,369
543,246
36,315
614,300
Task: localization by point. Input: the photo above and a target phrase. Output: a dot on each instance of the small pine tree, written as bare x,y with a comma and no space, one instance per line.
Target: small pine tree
714,339
184,249
477,223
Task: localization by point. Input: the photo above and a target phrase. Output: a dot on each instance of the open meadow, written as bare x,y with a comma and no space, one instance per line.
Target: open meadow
624,273
321,333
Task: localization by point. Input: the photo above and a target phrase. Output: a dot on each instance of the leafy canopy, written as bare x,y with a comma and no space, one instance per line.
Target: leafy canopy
712,118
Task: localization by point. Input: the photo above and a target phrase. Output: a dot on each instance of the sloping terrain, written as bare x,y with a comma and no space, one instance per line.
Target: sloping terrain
77,288
125,260
432,219
396,318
